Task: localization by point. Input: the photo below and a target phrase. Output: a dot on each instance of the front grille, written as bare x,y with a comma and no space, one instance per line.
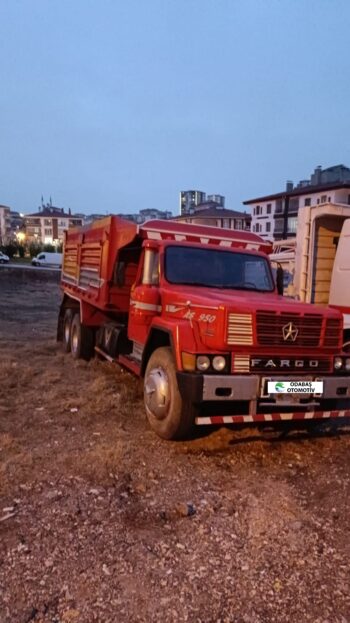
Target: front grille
333,334
272,328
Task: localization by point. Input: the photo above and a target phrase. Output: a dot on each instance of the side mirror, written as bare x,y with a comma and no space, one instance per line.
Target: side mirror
279,279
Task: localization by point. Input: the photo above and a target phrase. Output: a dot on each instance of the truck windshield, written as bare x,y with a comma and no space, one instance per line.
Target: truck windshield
217,269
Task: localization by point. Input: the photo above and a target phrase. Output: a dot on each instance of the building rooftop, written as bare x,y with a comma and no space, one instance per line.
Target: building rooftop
217,212
51,212
302,190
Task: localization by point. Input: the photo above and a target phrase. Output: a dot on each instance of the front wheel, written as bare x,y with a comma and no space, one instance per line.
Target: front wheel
167,414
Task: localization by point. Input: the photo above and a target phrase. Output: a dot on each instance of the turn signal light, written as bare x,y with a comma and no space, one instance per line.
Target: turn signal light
188,362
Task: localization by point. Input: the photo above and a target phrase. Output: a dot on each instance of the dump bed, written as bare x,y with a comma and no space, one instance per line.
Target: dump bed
90,255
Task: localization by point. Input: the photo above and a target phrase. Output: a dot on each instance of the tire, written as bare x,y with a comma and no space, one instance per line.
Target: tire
67,324
167,414
81,340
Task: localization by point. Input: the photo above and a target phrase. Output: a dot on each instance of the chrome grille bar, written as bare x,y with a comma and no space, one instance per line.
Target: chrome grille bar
240,329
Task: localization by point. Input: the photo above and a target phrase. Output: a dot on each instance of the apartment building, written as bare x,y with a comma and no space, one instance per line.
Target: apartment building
211,213
5,224
146,215
190,200
275,216
47,226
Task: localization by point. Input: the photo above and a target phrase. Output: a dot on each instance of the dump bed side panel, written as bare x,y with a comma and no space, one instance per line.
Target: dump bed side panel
89,259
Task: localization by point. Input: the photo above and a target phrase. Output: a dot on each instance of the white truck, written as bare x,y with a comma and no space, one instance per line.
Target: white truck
317,261
50,260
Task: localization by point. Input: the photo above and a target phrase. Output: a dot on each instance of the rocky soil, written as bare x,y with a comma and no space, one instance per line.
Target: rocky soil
101,521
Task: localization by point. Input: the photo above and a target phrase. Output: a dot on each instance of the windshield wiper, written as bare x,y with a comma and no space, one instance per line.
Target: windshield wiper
246,288
196,283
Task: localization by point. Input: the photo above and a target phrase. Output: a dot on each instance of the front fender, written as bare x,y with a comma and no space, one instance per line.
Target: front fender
182,336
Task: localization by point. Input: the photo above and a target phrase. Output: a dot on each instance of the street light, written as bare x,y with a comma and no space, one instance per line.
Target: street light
20,235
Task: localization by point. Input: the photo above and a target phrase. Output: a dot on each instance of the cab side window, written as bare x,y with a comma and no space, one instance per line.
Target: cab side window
150,274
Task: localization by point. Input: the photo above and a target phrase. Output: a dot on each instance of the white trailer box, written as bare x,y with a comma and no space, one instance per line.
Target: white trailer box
318,260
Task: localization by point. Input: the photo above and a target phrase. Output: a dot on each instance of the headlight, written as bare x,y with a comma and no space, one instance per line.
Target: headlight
347,365
203,363
338,363
219,363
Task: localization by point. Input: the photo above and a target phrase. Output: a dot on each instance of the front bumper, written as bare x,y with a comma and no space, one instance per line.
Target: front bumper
214,390
211,387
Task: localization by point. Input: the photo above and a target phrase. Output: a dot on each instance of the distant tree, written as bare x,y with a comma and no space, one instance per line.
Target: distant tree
49,248
21,250
11,249
34,249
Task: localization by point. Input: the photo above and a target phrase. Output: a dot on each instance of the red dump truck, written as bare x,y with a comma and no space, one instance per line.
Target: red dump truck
195,312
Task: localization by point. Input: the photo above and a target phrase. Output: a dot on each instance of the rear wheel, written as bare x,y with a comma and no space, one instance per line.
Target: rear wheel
167,414
67,323
81,340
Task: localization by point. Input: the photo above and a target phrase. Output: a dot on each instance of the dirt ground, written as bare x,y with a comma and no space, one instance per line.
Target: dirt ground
101,521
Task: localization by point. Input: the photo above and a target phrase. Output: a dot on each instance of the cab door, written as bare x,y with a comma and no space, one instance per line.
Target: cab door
145,301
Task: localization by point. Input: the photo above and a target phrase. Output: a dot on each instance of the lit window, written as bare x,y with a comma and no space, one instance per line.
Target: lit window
292,225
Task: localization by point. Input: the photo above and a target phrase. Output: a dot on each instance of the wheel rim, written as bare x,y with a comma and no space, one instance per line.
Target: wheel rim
346,347
157,393
67,331
74,340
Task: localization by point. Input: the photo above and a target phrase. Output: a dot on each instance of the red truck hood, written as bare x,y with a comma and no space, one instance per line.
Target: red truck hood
242,301
211,311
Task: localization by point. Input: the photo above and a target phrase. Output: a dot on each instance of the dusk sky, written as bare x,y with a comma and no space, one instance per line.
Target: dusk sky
111,106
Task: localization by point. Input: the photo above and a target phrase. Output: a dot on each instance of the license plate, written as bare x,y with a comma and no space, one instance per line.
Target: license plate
290,398
264,393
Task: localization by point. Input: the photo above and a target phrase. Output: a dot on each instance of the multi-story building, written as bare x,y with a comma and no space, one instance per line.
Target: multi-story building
189,199
275,217
210,213
90,218
218,199
47,226
5,224
338,173
17,226
146,215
